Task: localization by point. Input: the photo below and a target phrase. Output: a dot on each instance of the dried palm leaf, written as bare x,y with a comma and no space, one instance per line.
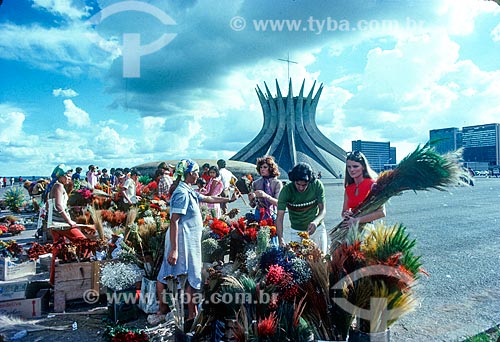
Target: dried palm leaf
97,219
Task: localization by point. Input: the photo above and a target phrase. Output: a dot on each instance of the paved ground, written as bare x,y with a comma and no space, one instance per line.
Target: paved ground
458,237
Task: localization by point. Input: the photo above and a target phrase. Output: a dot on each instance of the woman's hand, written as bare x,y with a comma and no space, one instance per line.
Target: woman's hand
172,257
349,221
235,196
261,194
346,214
281,241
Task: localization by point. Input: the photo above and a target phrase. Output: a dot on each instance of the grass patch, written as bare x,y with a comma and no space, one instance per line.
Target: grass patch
490,335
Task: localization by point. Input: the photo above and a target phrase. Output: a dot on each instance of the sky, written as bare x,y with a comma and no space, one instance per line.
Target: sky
121,83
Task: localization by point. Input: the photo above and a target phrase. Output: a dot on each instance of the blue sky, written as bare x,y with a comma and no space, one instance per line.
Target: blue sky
391,70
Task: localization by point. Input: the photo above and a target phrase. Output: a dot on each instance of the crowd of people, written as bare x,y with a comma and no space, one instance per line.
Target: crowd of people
182,185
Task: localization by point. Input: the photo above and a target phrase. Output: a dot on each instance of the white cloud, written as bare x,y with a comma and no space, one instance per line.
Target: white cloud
495,33
109,144
76,116
66,49
11,125
68,92
62,8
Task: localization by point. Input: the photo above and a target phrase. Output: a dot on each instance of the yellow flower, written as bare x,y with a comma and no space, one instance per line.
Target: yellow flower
303,235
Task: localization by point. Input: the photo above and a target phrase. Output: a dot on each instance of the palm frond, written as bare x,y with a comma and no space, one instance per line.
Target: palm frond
97,219
423,169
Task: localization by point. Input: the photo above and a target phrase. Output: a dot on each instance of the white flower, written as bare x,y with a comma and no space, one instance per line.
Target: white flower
149,220
119,276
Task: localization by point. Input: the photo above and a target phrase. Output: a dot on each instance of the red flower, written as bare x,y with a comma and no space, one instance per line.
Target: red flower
252,234
267,326
275,275
16,228
86,193
3,229
219,227
153,185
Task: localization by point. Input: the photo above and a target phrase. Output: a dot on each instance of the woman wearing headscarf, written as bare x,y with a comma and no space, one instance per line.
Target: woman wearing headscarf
59,221
266,189
304,197
183,241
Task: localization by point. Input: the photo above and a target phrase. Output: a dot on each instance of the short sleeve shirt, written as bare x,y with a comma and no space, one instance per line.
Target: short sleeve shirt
303,206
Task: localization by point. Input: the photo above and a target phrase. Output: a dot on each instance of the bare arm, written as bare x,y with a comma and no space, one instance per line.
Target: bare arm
264,195
59,206
217,199
173,252
379,213
319,218
279,226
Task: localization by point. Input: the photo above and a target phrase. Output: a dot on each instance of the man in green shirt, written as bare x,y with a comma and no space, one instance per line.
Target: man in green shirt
304,197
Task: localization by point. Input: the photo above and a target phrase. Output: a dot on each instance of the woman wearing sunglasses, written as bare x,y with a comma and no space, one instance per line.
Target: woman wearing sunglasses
359,180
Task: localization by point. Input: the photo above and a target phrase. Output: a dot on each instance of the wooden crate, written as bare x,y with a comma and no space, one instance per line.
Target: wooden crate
73,280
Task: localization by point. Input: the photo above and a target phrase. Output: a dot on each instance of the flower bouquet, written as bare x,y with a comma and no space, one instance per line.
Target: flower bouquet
264,295
371,279
11,249
119,275
120,279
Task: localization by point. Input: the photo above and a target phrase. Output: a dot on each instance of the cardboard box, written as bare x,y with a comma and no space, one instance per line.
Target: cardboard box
27,308
10,269
14,289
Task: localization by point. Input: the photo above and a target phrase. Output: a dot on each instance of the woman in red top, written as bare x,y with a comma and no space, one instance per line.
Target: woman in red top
359,179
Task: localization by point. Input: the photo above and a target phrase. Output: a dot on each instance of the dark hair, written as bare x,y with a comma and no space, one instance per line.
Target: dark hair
205,165
301,172
104,170
135,173
201,182
78,169
162,165
221,163
358,157
216,169
274,170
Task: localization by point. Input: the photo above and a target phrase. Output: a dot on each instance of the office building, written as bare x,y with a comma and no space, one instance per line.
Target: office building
445,140
481,143
377,153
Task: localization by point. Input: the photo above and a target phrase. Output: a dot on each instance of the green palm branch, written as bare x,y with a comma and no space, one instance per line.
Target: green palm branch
423,169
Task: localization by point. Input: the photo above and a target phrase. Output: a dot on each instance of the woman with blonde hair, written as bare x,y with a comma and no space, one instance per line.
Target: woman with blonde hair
359,180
